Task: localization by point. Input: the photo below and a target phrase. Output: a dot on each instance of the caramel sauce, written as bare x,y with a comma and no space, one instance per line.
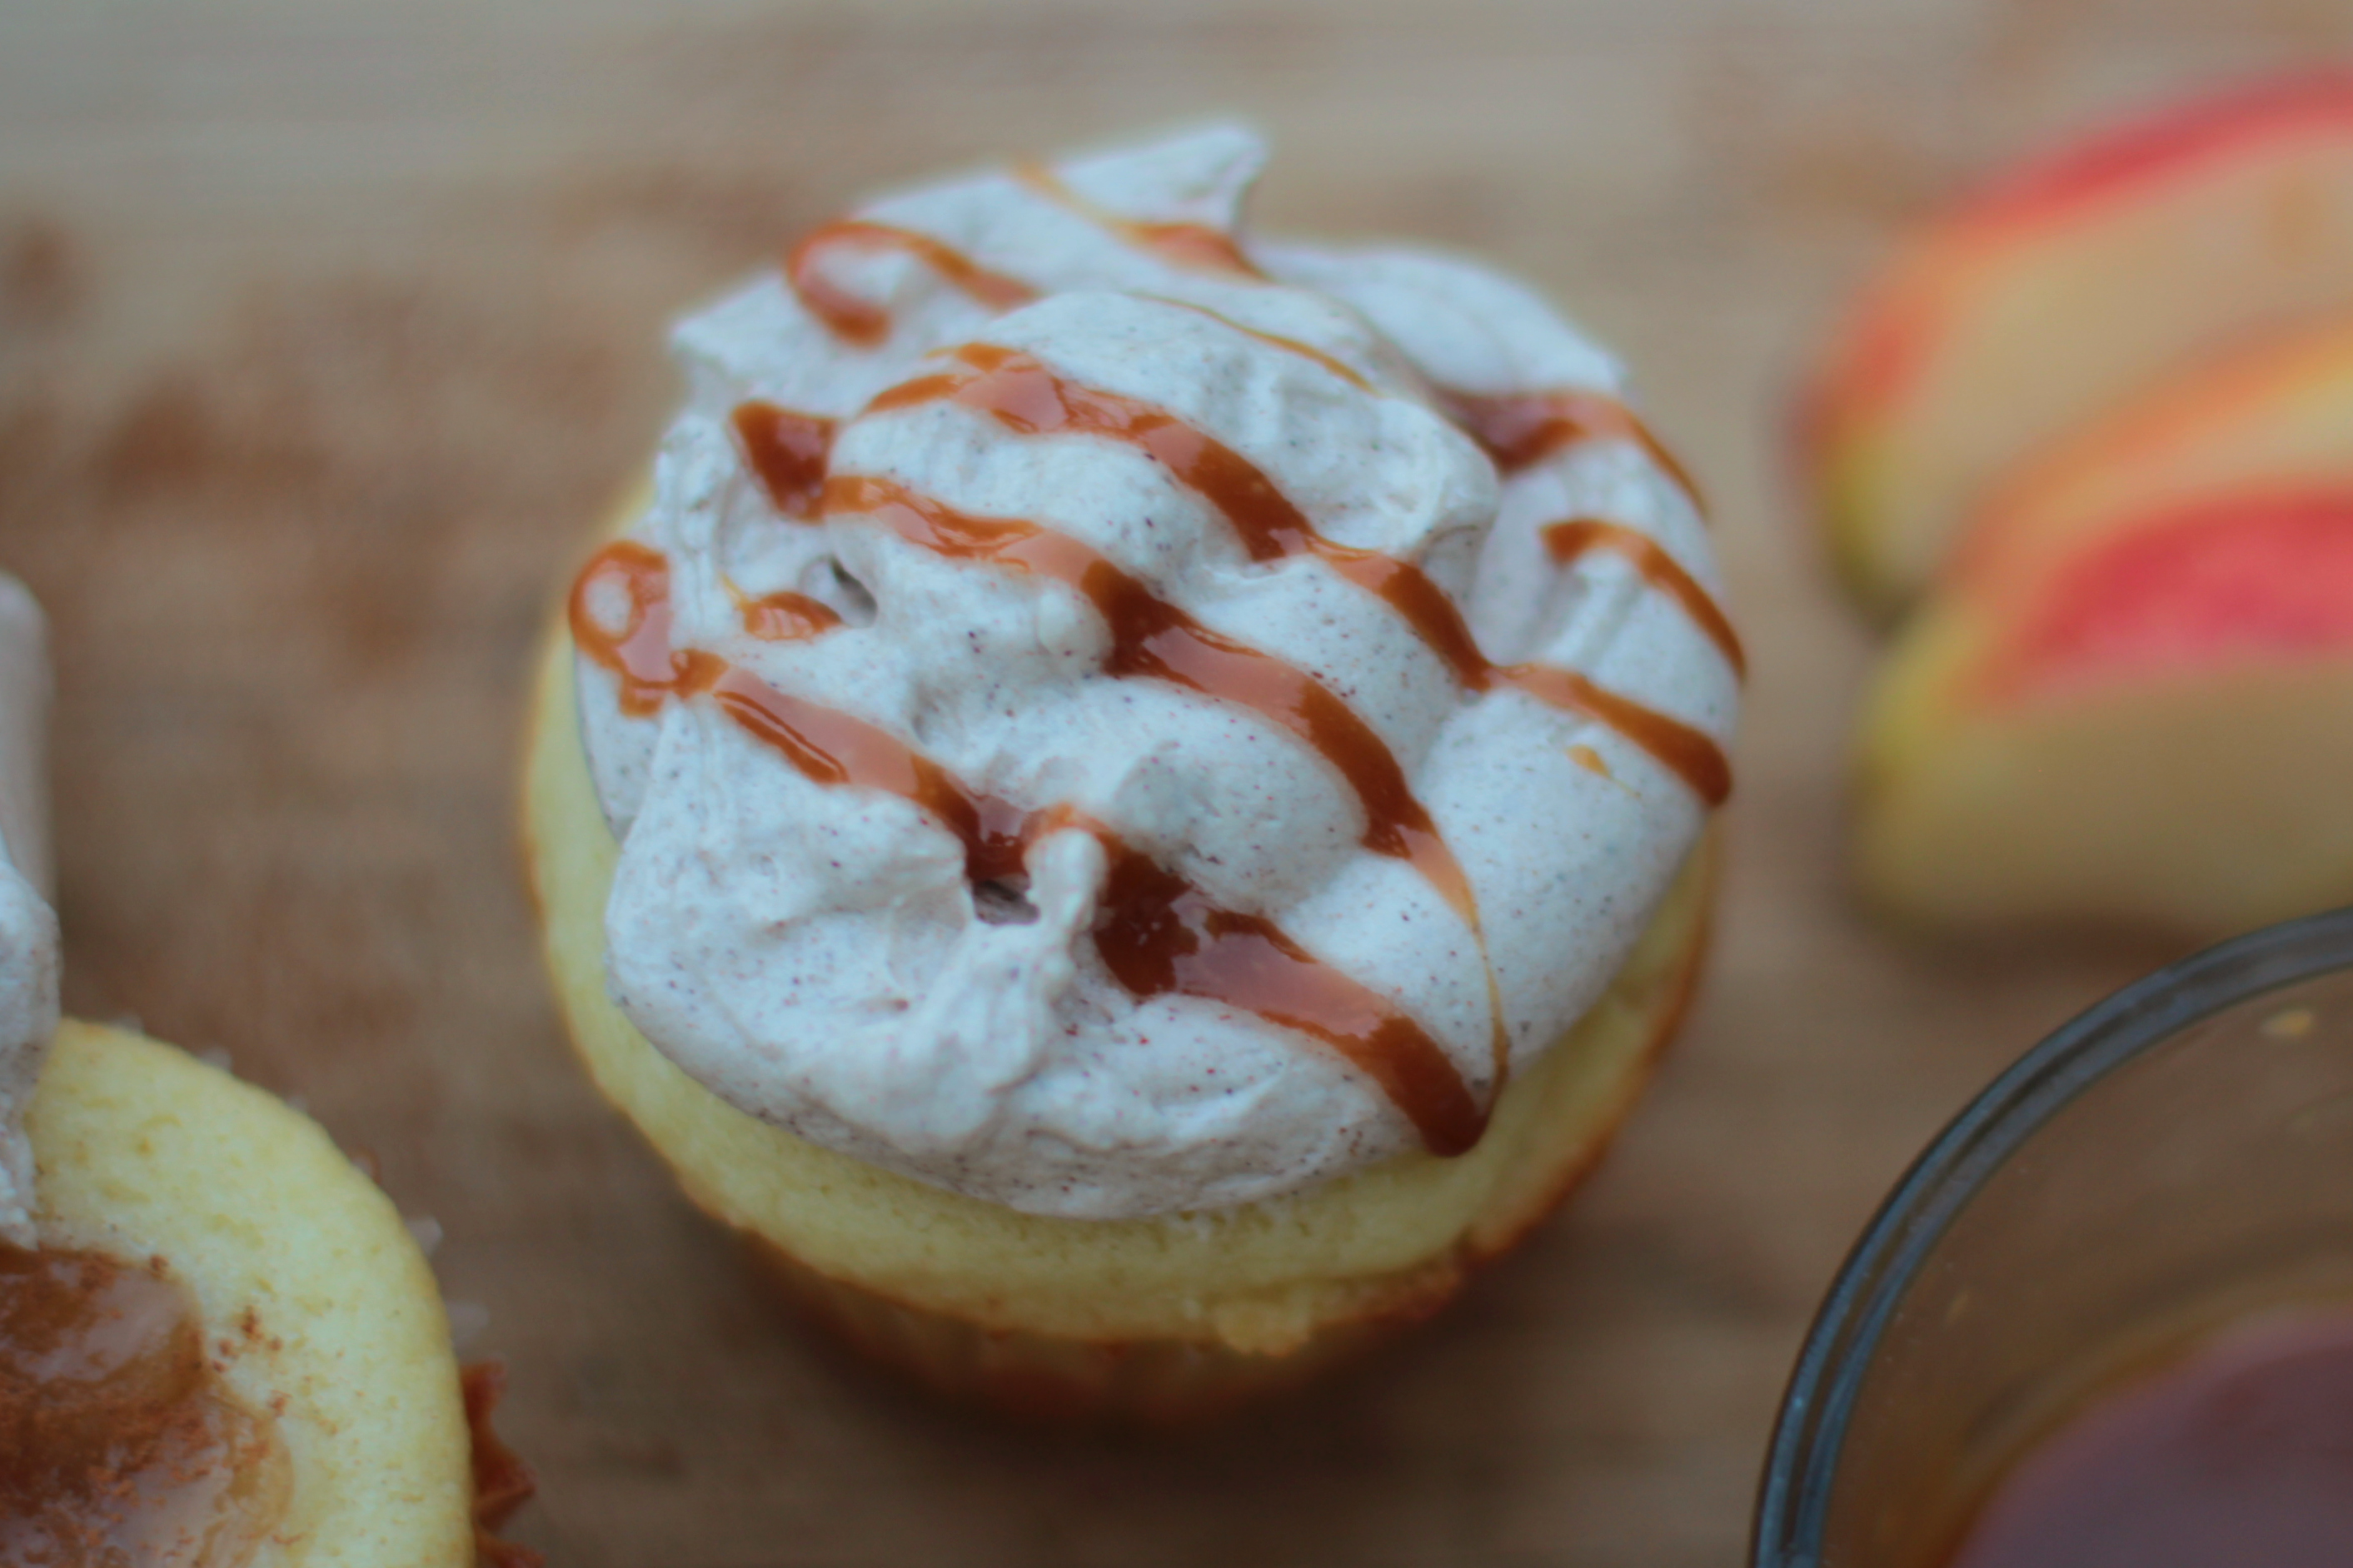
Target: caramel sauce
1309,352
1153,638
830,747
1197,246
1520,430
118,1444
651,669
2241,1452
1567,541
787,616
1157,933
826,745
788,451
861,321
1688,754
1516,430
1024,395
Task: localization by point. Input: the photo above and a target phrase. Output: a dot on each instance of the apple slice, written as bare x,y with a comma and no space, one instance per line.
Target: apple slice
2059,290
2152,730
2275,414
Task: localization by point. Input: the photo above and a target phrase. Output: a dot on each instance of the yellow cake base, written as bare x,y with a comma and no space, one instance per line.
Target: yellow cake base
1157,1317
318,1304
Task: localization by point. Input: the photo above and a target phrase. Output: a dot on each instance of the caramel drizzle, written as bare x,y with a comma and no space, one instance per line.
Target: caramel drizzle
651,668
1516,430
1338,367
1683,751
1153,638
1567,541
1521,429
641,652
861,321
1158,934
787,616
1022,393
826,745
787,450
1197,246
830,747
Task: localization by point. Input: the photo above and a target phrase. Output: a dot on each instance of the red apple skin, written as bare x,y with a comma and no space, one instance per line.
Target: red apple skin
2155,731
2059,288
2275,413
2259,576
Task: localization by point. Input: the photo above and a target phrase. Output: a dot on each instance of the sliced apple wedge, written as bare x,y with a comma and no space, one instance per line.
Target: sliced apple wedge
2276,414
2156,730
2058,292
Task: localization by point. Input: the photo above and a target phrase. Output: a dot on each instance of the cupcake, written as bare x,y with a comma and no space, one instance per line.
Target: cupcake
1132,800
219,1346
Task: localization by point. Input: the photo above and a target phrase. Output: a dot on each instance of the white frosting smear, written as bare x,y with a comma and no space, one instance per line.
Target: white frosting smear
29,930
1106,502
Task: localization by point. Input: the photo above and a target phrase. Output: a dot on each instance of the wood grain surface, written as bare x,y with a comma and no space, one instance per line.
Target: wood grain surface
325,329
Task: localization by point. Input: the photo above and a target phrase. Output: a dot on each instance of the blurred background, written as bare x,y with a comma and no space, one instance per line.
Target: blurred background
327,327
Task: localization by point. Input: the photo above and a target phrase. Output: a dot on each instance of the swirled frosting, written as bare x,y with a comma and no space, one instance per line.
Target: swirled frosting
29,930
1112,716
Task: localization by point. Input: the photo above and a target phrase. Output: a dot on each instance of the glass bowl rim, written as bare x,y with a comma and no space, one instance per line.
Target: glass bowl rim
1809,1433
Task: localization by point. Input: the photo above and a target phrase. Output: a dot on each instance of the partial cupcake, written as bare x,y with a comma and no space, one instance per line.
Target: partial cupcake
1134,799
219,1346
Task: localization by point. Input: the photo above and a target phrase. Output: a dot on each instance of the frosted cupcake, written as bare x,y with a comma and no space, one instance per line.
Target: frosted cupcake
219,1346
1133,800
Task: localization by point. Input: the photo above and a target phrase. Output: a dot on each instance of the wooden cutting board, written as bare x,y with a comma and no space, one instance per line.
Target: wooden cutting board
327,326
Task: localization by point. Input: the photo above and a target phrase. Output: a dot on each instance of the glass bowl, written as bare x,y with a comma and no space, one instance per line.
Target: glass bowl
2177,1158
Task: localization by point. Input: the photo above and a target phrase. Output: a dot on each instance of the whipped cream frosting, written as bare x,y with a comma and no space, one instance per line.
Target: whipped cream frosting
29,930
1114,716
